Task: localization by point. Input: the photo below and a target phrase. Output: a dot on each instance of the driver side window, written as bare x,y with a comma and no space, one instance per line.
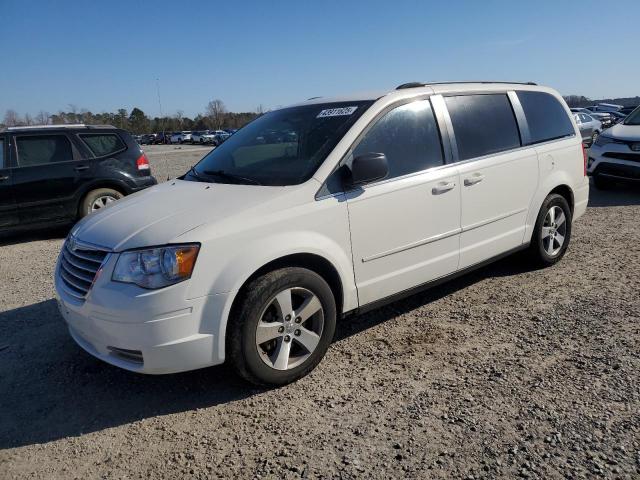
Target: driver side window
409,137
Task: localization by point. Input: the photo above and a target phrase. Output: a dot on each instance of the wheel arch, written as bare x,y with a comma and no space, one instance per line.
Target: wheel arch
566,192
107,183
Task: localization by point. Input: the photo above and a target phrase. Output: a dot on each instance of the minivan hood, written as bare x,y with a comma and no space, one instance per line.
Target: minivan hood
160,214
624,132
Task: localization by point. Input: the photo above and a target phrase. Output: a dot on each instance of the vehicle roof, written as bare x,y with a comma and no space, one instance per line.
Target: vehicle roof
417,88
74,126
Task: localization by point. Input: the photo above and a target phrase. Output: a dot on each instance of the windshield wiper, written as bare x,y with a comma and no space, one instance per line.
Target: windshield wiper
195,173
231,176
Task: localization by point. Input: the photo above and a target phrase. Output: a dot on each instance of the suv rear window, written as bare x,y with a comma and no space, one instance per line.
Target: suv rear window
546,117
102,144
42,149
483,124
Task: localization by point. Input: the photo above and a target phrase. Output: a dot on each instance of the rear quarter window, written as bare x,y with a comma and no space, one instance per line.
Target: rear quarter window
546,117
102,144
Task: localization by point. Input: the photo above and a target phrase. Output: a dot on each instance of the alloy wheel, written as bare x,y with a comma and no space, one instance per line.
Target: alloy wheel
290,328
101,202
554,231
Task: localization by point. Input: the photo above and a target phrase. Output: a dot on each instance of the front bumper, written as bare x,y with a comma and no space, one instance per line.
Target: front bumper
145,331
616,161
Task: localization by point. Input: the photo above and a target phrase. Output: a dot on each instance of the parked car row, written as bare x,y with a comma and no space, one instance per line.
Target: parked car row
210,137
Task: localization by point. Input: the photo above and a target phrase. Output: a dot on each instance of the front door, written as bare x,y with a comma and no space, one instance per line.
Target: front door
405,228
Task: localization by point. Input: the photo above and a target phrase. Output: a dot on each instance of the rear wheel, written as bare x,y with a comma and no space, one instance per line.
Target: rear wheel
98,199
282,327
552,231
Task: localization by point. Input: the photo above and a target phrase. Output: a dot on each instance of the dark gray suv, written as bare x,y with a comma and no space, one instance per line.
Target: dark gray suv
56,174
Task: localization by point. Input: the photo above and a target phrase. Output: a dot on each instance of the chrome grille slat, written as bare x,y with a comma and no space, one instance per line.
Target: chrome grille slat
75,262
76,272
78,266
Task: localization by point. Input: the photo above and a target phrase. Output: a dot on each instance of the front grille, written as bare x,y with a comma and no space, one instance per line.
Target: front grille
632,157
79,264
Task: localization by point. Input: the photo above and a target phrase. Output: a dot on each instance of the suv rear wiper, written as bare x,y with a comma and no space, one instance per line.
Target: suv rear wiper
231,176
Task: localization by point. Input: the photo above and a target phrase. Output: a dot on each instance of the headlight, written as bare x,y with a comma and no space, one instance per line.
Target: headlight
602,140
156,267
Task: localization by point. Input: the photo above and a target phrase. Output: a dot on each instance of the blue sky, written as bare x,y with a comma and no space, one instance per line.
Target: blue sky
106,55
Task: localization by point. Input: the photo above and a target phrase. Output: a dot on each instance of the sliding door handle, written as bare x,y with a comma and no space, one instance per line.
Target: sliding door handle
477,178
443,187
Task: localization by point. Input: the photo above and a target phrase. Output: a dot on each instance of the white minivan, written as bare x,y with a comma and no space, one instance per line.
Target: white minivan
317,211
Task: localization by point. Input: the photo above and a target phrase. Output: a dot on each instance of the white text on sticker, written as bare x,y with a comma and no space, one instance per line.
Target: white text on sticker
336,112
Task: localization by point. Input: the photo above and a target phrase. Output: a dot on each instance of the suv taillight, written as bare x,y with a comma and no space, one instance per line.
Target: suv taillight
143,162
584,156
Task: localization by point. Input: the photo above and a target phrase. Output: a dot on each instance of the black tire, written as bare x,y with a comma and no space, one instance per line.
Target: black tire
537,250
86,206
242,351
602,183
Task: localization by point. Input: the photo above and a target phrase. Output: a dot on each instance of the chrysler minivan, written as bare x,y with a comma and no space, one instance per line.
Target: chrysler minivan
318,211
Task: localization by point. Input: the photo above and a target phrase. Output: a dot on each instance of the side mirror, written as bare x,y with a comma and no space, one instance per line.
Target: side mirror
367,168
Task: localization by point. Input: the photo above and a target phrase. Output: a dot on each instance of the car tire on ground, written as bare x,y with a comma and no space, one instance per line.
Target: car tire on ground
281,326
552,232
97,199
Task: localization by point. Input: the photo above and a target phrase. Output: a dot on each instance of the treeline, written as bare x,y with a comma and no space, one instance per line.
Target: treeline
576,101
215,117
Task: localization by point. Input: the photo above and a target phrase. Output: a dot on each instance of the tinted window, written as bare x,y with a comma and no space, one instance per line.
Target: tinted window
102,144
2,153
408,135
37,150
546,117
585,118
483,124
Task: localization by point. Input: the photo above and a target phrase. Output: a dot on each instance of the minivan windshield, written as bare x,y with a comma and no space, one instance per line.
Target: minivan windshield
283,147
633,118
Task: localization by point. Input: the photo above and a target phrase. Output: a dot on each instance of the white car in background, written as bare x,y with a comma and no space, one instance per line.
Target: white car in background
181,137
215,137
615,155
317,212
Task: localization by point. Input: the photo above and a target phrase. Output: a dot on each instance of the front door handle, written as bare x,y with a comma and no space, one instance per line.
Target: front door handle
443,187
3,178
473,180
81,168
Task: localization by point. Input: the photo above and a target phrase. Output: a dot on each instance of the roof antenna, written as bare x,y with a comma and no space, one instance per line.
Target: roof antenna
164,135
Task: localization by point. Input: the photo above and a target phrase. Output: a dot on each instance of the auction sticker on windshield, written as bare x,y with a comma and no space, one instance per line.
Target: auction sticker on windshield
336,112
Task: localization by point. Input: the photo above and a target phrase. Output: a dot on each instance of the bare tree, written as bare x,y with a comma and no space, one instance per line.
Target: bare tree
179,117
11,118
43,118
73,113
216,111
260,109
28,119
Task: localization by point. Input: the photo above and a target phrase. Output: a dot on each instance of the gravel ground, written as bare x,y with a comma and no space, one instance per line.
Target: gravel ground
505,372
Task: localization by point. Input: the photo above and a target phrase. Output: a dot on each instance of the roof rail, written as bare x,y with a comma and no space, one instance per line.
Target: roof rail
421,84
64,125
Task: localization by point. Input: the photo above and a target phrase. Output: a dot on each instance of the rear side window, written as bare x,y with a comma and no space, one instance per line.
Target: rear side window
483,124
102,144
408,135
43,149
546,117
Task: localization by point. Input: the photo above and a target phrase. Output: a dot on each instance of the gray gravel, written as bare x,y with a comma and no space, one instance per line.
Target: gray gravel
506,372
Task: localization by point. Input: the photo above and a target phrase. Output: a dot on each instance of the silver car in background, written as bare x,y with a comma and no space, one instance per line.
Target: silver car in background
589,127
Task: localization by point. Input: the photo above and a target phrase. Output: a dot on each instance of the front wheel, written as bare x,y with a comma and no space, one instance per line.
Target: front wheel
282,326
552,231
